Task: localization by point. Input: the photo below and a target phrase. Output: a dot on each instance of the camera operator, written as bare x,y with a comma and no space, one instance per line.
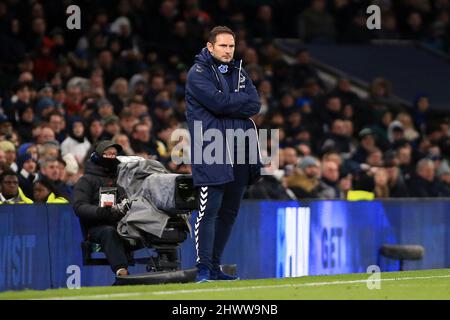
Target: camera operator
100,211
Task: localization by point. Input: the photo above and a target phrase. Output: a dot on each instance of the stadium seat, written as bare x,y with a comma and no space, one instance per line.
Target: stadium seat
90,253
166,249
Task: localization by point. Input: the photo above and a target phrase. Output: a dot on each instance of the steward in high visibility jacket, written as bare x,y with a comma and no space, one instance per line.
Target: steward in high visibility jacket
52,198
360,195
11,193
44,191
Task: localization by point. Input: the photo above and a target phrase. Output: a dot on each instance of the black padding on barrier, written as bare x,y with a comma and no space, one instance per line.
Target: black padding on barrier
180,276
402,251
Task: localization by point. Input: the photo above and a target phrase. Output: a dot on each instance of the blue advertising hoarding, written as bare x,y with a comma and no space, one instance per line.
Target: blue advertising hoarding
39,244
24,248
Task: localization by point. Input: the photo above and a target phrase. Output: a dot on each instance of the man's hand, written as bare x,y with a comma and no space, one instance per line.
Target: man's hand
112,215
122,207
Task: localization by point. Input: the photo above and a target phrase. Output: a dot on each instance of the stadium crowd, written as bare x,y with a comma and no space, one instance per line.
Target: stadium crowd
122,77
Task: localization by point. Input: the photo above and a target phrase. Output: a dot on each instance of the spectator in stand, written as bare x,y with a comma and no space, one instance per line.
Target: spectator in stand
44,63
268,188
334,156
396,181
423,114
389,31
303,69
264,26
337,139
364,177
45,192
27,173
76,143
30,148
251,60
344,92
3,166
95,131
72,172
396,132
156,86
268,101
122,140
137,106
57,123
45,134
286,105
143,141
10,190
345,184
51,169
21,99
105,108
366,143
112,69
443,175
331,111
424,183
405,163
329,188
6,128
381,94
312,91
26,123
381,183
50,149
111,127
410,133
73,98
375,158
415,29
291,160
127,122
10,154
316,24
44,108
357,31
118,94
305,180
435,135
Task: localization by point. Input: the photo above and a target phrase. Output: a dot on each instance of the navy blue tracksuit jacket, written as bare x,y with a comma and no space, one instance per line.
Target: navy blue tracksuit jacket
221,102
210,100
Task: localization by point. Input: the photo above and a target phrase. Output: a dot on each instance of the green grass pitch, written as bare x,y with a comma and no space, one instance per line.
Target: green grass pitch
423,284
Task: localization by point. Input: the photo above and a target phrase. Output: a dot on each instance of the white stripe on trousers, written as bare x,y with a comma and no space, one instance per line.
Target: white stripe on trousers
201,212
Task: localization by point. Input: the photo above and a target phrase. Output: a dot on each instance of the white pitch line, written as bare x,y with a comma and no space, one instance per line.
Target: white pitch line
312,284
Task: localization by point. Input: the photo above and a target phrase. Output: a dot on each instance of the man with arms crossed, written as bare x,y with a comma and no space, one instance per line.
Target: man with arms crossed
220,96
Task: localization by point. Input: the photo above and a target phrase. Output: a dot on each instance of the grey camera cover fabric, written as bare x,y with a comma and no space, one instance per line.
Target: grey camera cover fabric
151,189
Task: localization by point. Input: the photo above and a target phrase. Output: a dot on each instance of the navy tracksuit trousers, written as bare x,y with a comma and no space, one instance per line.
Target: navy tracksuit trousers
218,209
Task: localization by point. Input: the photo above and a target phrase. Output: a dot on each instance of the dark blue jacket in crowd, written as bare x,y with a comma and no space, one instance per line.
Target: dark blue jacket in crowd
216,103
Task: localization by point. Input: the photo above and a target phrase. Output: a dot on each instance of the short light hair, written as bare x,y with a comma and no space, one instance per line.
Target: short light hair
423,163
44,163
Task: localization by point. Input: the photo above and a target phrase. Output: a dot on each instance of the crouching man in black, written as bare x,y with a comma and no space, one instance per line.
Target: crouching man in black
99,214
